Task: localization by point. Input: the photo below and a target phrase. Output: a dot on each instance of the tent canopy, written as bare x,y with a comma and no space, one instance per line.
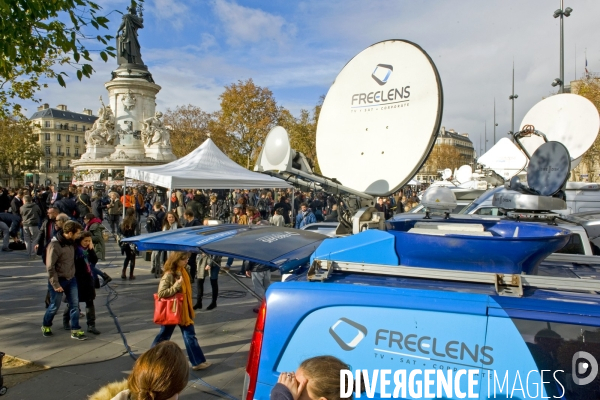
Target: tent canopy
207,167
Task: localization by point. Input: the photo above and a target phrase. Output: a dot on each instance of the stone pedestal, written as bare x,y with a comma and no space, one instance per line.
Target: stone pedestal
132,98
160,152
95,151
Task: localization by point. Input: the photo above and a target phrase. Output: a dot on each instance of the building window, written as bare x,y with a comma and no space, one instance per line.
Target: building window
58,136
66,127
76,139
47,136
59,164
47,124
76,151
47,150
68,151
58,149
83,128
47,163
68,138
74,127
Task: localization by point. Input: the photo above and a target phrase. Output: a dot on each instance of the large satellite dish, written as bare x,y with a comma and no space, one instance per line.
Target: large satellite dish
380,118
566,118
464,174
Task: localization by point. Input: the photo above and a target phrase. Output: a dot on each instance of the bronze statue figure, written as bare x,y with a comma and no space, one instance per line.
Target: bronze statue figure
128,46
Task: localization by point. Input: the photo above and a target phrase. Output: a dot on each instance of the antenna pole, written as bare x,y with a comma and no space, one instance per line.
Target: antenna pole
485,134
494,120
562,54
512,98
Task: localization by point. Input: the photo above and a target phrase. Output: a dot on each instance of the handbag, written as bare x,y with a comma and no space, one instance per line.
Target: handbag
167,310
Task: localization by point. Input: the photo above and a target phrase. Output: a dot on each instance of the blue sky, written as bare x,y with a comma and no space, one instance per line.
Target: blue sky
296,48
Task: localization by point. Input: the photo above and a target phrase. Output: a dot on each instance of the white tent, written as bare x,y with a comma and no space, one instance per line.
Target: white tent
207,167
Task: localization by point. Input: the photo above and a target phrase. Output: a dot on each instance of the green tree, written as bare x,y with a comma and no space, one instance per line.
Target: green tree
248,113
441,157
189,128
40,35
20,150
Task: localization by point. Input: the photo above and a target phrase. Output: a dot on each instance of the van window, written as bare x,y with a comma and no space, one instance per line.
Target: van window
573,246
495,211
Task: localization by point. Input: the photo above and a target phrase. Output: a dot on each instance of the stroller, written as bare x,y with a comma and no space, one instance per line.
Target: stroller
3,389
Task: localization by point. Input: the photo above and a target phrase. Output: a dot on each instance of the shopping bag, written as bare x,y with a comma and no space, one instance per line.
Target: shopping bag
167,311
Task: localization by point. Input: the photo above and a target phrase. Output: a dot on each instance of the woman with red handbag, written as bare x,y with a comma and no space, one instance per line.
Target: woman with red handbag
175,282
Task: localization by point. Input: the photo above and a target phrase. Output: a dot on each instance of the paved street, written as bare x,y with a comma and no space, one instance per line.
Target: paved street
80,368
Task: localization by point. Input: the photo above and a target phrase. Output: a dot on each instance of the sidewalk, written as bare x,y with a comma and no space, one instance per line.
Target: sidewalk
80,368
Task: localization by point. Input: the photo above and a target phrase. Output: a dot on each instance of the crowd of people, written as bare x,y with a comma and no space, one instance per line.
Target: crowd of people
68,228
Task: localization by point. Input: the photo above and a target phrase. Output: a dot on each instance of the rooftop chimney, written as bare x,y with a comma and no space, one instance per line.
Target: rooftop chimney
87,111
62,107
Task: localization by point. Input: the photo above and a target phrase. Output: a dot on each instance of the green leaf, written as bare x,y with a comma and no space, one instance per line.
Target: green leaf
61,81
104,56
79,74
76,56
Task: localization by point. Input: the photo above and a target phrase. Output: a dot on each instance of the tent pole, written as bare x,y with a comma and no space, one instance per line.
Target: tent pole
124,193
169,199
293,198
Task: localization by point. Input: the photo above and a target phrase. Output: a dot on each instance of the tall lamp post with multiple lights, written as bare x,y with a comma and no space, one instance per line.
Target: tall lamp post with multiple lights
512,98
561,12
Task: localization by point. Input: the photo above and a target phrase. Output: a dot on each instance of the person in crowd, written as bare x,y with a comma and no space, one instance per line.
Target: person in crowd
115,210
31,216
161,373
97,205
208,267
317,378
261,278
127,229
96,229
287,208
169,224
16,203
214,211
128,201
263,205
154,223
84,203
46,233
196,206
383,207
176,280
180,205
305,216
239,217
140,208
67,205
60,264
53,196
190,220
85,257
4,200
150,199
333,215
9,225
253,216
278,219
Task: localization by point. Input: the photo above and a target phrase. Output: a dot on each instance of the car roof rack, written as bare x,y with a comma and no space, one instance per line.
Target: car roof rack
505,284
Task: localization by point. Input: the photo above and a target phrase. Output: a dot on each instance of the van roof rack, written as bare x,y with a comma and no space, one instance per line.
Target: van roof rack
505,284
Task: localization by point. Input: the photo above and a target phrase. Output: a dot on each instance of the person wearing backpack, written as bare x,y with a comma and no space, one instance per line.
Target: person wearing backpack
115,209
84,203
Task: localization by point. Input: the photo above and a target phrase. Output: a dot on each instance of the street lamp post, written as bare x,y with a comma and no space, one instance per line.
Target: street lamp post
561,12
495,124
512,98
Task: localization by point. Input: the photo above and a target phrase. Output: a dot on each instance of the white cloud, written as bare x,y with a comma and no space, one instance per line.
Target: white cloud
243,24
176,13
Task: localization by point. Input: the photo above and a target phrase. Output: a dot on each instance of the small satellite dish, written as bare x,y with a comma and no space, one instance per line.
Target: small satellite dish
566,118
504,158
446,174
380,118
276,150
464,174
549,168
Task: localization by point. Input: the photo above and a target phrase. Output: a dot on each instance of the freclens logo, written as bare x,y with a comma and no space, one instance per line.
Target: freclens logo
396,96
382,73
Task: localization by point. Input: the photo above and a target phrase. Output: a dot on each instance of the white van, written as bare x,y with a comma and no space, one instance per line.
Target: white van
582,197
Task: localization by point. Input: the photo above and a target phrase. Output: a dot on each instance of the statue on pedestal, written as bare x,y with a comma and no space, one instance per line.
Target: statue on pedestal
154,132
103,130
128,46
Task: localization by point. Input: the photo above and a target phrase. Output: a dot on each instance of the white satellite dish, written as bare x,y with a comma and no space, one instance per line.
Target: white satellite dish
446,174
504,158
464,174
566,118
380,118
